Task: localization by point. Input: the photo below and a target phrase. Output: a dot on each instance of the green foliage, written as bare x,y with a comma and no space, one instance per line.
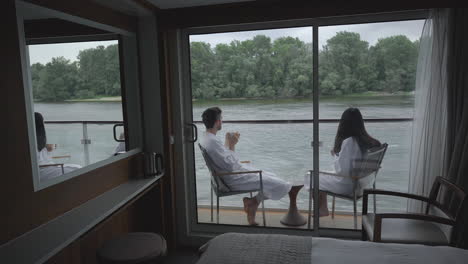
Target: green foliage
283,68
251,68
96,73
254,68
394,61
343,65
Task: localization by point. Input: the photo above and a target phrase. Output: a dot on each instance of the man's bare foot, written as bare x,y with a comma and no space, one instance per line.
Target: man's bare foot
250,207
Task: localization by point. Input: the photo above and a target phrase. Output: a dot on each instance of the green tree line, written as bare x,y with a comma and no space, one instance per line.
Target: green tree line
254,68
283,68
95,74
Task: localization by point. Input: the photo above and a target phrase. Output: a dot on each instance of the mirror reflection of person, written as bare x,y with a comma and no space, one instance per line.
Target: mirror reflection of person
351,141
47,167
226,160
121,146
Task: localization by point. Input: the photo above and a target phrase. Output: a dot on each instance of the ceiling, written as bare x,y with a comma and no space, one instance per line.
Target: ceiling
29,11
131,7
167,4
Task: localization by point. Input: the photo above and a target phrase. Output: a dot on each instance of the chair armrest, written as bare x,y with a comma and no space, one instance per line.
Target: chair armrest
258,172
60,157
370,173
366,193
416,216
393,193
54,164
424,217
51,165
236,172
329,173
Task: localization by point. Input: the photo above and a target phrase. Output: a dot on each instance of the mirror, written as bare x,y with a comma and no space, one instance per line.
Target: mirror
77,101
75,95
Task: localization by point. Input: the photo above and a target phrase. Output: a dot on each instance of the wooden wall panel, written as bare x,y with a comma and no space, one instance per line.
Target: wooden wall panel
22,208
70,255
142,214
168,182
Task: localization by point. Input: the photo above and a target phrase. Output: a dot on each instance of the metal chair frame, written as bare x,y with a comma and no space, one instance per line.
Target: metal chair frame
217,185
368,166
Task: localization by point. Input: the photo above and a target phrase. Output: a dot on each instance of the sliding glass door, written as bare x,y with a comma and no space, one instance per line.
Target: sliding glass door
262,82
370,67
284,90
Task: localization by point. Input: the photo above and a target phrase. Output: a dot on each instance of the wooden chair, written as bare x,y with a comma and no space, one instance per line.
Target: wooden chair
434,227
364,175
221,189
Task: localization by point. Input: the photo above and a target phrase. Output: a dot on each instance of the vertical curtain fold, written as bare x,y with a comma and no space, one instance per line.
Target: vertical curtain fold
457,113
430,114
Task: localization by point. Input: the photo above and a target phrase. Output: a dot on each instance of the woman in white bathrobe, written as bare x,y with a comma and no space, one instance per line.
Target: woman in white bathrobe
43,156
226,160
351,141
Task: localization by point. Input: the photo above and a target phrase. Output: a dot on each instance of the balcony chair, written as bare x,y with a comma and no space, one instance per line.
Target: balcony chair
221,189
364,176
56,164
53,165
437,226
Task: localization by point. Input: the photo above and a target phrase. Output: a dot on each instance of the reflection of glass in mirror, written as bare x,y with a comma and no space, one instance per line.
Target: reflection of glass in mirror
121,146
76,87
48,168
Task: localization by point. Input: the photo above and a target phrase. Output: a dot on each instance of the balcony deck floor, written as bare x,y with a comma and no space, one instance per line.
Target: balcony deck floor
237,216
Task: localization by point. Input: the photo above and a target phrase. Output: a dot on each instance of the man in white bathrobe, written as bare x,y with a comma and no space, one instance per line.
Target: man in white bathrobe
226,160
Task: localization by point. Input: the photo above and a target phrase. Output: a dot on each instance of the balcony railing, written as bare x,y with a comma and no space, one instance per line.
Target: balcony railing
86,140
305,121
292,137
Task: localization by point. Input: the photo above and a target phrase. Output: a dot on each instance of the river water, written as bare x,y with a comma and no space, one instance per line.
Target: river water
284,149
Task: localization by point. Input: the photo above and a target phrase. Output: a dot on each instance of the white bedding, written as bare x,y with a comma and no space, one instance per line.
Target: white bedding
327,250
274,249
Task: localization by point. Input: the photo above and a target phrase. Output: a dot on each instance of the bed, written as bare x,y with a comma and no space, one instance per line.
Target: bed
237,248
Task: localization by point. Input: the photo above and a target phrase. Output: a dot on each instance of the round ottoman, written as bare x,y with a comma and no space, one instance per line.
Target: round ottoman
133,248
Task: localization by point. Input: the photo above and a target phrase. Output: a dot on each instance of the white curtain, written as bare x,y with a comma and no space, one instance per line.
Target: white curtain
430,114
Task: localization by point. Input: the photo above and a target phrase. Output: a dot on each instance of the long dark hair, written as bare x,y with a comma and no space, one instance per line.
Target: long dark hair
352,125
40,131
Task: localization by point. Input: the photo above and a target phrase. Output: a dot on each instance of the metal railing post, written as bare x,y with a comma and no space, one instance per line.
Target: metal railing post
85,141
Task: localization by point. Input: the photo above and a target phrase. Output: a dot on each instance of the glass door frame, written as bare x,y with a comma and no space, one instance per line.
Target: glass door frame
194,233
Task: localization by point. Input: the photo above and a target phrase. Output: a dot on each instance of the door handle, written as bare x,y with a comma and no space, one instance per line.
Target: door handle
115,132
194,133
159,164
154,164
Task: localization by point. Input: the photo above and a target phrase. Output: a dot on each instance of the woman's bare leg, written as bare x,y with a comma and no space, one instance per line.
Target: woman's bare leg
323,205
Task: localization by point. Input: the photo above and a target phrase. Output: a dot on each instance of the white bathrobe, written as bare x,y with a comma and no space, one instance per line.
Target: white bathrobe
343,164
227,161
46,173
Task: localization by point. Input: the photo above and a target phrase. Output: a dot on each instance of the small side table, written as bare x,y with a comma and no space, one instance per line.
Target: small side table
133,248
293,217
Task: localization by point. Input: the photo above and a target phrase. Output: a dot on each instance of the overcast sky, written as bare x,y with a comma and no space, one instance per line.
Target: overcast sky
369,32
45,53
